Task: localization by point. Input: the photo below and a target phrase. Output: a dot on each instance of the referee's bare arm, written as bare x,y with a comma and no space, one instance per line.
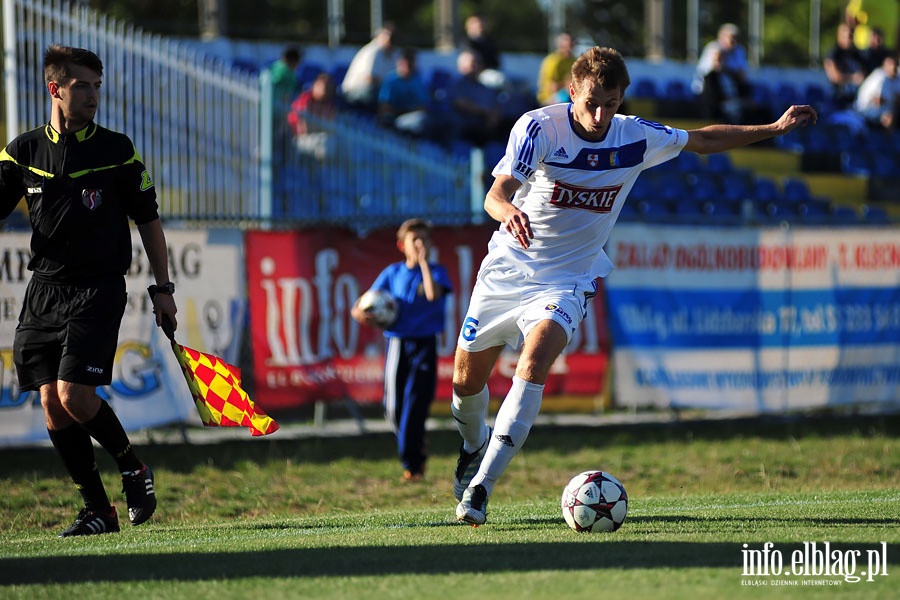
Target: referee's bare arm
154,241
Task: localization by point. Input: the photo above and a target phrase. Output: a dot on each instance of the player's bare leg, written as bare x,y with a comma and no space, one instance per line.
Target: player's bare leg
516,416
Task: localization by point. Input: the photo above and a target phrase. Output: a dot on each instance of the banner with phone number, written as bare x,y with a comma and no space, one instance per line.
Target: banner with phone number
760,320
306,347
147,388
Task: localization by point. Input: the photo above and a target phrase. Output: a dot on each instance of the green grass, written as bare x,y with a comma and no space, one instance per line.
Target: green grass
328,518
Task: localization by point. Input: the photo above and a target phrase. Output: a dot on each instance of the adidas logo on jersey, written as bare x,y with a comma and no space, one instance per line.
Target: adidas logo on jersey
560,153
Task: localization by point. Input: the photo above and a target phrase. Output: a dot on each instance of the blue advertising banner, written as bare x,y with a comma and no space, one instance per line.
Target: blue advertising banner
759,320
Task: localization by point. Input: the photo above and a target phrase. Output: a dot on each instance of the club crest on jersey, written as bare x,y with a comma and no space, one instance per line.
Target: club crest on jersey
92,199
593,160
599,200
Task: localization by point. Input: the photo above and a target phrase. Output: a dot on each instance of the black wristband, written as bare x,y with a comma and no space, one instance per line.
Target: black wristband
167,288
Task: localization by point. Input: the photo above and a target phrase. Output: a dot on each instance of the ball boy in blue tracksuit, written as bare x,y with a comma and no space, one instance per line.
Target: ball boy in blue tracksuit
420,288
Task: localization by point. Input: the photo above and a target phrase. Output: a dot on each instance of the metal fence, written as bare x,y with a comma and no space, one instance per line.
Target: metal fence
208,133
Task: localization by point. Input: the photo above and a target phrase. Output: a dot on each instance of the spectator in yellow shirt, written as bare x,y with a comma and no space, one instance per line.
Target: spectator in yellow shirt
556,72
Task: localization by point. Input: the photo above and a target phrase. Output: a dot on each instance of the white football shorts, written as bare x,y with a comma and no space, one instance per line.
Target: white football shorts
505,307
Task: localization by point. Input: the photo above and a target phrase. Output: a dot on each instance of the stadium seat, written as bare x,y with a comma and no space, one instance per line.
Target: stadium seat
337,72
874,215
796,190
307,73
719,163
734,186
704,187
844,215
855,163
676,89
644,88
816,94
765,190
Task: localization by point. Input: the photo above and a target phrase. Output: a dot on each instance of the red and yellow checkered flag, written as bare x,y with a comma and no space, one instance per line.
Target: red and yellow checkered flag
216,388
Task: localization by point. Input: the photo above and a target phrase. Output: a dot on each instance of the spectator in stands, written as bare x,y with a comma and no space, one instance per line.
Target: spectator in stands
476,107
878,98
285,82
844,68
874,54
728,52
403,99
478,41
368,68
728,97
308,113
556,72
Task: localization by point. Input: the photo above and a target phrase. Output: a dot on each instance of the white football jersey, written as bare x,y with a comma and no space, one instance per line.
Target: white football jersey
573,189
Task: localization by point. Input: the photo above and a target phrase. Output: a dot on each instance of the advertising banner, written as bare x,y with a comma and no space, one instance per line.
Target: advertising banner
755,319
306,347
148,388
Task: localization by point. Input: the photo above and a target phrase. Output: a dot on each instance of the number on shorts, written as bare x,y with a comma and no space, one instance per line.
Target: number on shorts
469,329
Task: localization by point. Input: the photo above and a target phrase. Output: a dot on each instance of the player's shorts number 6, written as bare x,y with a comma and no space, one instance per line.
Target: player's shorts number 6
469,329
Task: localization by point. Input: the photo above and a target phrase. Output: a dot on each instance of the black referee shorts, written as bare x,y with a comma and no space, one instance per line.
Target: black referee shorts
68,333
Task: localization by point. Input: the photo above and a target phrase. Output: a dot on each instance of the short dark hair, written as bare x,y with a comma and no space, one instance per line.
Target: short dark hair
411,225
58,61
606,66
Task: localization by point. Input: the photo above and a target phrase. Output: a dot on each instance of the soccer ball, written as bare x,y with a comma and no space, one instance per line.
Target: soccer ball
381,305
594,501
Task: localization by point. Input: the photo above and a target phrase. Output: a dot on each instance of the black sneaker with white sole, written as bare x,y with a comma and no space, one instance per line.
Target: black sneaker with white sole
140,495
93,522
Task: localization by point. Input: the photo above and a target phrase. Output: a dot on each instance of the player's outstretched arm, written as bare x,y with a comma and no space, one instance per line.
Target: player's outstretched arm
718,138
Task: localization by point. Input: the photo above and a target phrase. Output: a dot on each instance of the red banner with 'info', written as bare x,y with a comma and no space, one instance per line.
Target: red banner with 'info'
306,347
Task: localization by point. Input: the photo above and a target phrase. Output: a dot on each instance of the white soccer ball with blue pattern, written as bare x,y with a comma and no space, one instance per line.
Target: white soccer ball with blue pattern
594,501
381,305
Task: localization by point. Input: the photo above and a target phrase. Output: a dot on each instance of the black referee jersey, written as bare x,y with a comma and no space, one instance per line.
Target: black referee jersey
81,189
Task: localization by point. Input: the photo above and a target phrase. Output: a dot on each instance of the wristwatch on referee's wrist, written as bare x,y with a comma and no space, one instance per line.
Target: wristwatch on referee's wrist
166,288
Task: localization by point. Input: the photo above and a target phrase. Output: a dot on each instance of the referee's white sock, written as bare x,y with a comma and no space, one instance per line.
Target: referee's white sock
469,413
514,421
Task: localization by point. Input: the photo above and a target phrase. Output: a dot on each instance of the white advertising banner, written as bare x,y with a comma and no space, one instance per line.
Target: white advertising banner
760,320
148,388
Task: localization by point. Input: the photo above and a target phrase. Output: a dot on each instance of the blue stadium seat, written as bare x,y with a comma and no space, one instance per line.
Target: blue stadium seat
307,73
855,162
734,186
875,215
719,162
844,215
337,72
796,190
676,89
644,87
765,190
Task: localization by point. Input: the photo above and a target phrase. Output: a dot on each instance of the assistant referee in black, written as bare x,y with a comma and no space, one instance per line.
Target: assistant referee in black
82,184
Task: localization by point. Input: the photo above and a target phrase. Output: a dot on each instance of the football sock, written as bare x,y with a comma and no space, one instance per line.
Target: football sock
514,420
74,446
106,428
469,413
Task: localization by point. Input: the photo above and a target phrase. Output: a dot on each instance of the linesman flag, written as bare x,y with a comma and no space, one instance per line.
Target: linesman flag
215,386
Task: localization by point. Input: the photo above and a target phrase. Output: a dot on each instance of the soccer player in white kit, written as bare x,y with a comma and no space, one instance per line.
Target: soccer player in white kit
557,192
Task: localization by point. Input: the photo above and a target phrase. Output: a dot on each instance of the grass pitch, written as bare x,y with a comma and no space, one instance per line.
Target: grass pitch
329,518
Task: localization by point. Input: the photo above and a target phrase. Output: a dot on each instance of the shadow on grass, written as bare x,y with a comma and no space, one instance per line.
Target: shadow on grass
581,555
